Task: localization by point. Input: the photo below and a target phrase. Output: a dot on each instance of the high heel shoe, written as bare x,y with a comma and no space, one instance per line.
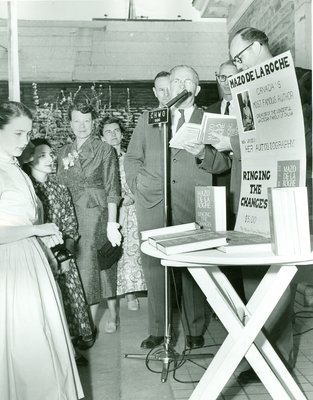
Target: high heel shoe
111,326
133,305
87,342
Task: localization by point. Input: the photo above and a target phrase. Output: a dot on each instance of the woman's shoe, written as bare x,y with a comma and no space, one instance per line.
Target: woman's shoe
81,361
86,342
111,326
133,305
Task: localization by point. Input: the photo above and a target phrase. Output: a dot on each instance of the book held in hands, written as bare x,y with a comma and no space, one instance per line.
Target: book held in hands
225,125
203,133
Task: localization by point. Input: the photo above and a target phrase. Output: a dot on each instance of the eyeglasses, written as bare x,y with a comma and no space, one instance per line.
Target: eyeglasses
237,59
186,82
222,78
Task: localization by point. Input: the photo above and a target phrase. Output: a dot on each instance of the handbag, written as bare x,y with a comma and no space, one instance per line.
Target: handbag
108,255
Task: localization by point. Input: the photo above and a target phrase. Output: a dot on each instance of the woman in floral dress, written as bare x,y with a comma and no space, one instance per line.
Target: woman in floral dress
130,277
58,208
36,355
89,169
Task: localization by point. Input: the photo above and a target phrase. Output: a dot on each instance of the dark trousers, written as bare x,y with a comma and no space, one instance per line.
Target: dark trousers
193,300
278,328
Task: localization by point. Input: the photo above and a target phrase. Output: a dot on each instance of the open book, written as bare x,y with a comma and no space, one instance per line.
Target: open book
225,125
202,133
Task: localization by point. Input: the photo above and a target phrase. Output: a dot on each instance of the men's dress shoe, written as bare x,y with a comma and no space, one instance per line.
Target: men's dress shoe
151,342
248,376
81,361
194,342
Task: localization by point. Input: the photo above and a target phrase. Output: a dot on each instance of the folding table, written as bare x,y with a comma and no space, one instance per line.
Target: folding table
242,322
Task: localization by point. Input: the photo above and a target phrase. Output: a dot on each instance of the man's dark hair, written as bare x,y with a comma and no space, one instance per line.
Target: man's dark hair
162,74
250,34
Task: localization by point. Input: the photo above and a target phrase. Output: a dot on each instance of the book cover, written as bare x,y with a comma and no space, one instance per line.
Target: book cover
200,240
188,131
240,242
153,240
288,173
210,203
225,125
168,230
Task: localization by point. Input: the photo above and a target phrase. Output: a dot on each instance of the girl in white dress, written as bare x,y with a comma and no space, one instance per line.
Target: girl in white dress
36,356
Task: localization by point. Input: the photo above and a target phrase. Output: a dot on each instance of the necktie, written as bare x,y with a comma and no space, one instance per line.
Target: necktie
227,108
181,120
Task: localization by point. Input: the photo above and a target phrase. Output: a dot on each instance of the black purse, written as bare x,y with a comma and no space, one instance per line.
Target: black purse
108,255
61,253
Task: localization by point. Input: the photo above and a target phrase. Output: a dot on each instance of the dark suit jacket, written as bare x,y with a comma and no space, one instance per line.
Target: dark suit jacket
144,169
232,180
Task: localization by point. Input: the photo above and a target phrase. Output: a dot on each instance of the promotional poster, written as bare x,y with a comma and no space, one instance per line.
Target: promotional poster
271,134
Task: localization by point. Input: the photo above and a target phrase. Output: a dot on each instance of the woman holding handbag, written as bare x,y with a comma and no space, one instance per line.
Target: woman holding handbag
58,208
89,169
130,277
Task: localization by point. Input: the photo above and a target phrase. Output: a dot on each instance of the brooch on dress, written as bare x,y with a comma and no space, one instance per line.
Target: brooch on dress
69,161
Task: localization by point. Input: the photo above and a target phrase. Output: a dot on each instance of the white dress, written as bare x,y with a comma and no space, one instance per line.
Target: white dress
36,354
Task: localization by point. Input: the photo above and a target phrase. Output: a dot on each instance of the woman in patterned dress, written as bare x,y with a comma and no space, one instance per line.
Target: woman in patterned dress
58,208
36,354
130,277
89,169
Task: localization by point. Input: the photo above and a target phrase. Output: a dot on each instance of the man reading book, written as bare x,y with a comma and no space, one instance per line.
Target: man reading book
144,175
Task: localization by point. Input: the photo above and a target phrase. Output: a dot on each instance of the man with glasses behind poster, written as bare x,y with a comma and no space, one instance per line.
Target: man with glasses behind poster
249,47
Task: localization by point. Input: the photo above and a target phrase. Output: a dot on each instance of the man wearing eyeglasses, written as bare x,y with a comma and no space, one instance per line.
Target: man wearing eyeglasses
144,174
249,47
231,178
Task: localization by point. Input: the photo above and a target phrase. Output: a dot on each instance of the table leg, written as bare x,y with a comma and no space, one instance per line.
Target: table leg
239,343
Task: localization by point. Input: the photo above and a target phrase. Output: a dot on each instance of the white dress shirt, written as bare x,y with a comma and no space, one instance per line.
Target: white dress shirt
176,116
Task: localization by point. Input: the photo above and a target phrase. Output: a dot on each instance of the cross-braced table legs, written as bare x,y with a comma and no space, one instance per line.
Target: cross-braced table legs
245,338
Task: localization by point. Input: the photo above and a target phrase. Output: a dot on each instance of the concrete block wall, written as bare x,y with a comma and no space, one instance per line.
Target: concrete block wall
276,18
114,50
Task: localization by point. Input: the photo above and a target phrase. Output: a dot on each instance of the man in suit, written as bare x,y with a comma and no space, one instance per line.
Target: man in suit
161,87
231,178
248,48
225,106
144,175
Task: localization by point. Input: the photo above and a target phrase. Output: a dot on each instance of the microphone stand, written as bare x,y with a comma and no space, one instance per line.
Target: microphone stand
166,352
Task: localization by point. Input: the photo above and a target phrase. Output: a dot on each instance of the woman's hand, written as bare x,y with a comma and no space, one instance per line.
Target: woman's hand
49,234
113,233
65,266
127,201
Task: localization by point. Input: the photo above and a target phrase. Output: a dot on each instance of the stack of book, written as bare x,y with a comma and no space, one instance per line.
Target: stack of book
289,220
183,238
240,242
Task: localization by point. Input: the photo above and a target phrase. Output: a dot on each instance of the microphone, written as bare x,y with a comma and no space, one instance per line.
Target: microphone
184,94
